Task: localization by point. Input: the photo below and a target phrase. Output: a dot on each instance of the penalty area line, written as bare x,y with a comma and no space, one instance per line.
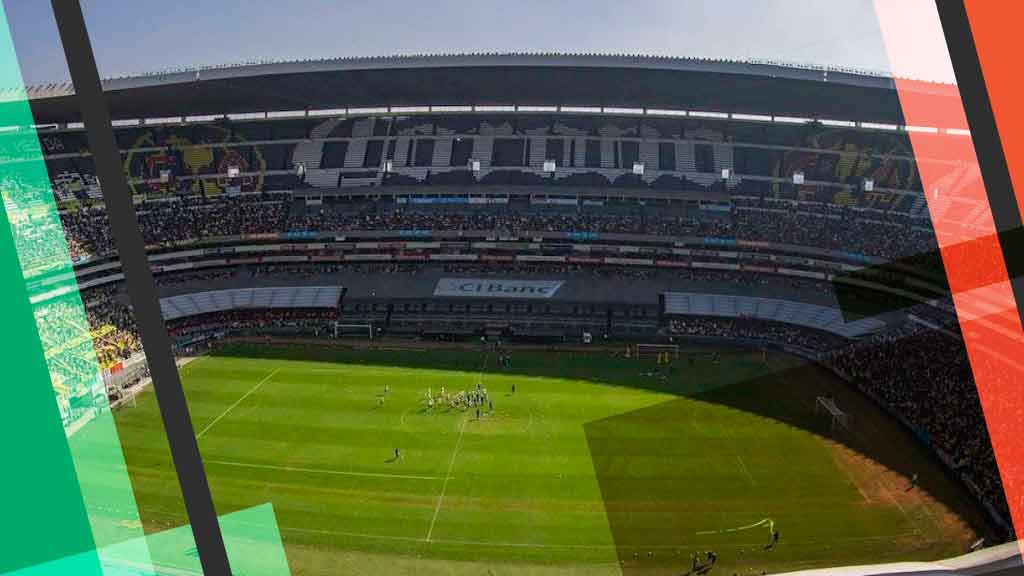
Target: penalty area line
237,402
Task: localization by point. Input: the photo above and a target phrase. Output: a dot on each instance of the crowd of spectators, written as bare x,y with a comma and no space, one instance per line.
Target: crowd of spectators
207,275
842,230
921,374
311,269
109,315
506,222
751,329
168,222
316,321
925,376
830,226
751,281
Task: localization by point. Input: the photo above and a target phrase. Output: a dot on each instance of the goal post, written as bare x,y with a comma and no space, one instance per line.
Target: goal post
359,329
659,351
827,405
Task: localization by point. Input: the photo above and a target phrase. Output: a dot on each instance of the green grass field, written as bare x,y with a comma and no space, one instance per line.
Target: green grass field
590,467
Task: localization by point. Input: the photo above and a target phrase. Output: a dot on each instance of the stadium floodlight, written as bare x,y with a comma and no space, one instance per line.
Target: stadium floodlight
878,126
537,108
707,114
792,120
162,121
495,108
869,184
664,112
278,114
204,118
549,166
451,108
753,117
368,111
617,110
798,177
233,171
243,116
328,112
409,109
638,168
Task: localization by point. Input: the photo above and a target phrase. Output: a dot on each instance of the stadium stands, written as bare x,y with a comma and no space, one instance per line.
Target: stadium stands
924,377
260,298
390,198
811,316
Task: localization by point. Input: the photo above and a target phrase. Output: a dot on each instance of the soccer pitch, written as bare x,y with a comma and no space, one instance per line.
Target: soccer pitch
596,464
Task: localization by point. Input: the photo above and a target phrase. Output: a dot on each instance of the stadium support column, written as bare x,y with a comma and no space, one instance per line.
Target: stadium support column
141,288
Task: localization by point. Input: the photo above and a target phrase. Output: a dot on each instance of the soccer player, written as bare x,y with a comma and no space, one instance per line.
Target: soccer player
398,454
513,388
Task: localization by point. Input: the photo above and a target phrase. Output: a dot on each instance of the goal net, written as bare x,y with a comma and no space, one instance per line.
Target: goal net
362,330
656,351
828,406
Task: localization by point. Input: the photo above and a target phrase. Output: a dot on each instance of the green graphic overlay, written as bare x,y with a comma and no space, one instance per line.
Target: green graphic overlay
67,496
55,379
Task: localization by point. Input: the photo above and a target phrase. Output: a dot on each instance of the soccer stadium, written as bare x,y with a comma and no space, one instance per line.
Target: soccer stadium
533,313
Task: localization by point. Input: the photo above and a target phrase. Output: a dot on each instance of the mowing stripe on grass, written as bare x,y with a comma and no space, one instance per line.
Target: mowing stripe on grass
444,487
323,471
237,402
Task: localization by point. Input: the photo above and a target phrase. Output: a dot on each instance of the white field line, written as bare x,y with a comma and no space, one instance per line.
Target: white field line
444,487
910,520
801,544
745,470
793,544
237,402
322,470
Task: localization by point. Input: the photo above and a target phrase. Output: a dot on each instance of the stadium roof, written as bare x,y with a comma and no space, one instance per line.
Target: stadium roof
479,79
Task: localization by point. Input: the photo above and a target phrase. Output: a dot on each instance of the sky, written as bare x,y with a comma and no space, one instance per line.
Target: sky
134,36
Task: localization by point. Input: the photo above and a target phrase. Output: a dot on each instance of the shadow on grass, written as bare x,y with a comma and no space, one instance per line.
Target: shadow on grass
641,502
777,386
